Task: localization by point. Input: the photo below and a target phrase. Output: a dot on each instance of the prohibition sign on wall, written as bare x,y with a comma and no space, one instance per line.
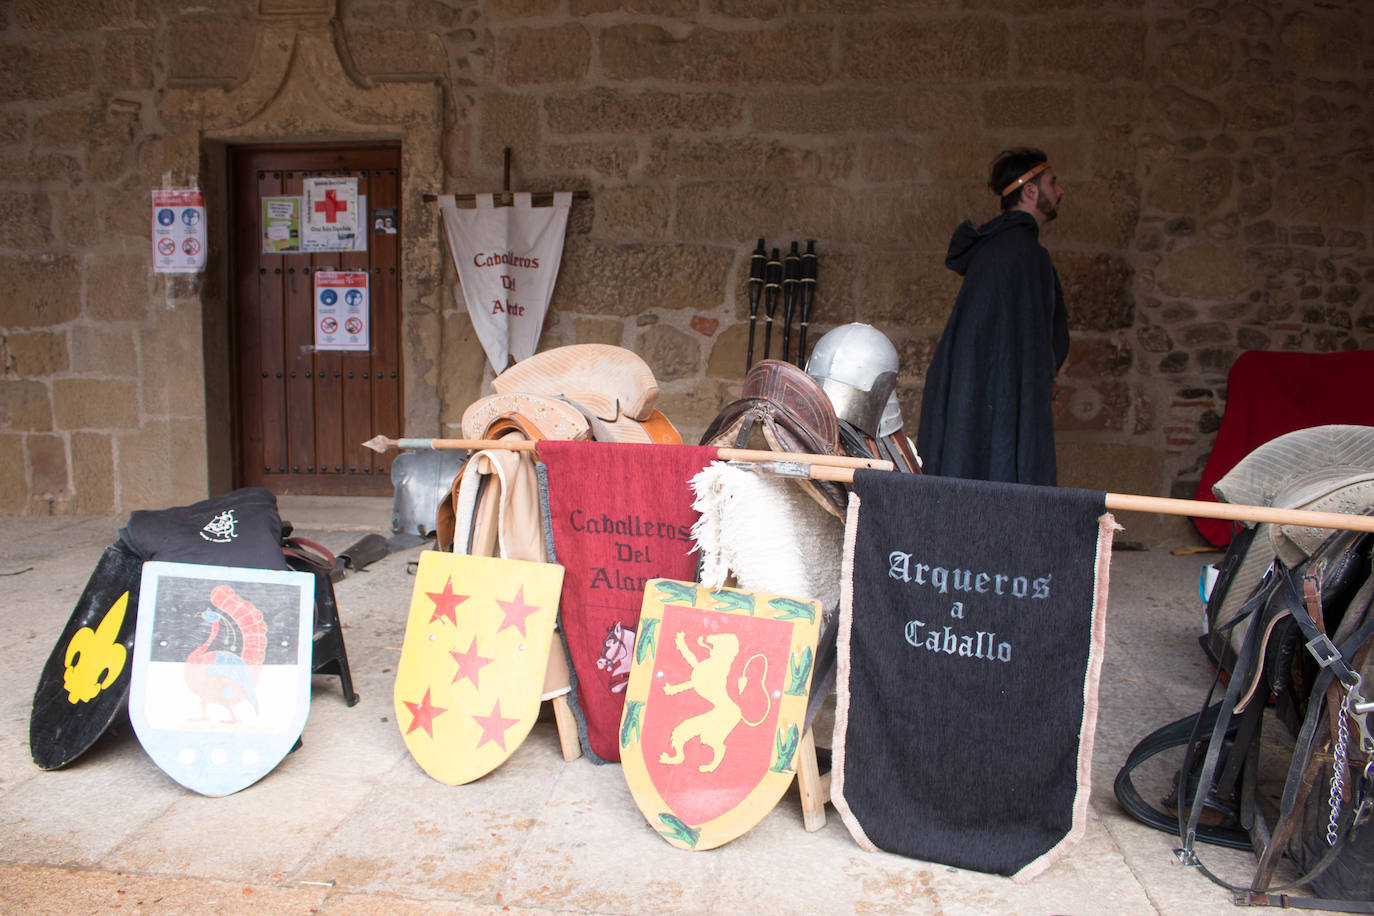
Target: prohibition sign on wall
341,299
178,231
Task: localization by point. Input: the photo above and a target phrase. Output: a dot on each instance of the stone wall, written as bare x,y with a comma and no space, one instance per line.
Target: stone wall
1217,161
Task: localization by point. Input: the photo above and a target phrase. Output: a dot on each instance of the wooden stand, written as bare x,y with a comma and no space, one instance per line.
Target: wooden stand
567,728
812,785
556,676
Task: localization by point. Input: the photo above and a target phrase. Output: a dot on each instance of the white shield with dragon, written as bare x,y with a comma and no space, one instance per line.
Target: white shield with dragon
715,707
221,672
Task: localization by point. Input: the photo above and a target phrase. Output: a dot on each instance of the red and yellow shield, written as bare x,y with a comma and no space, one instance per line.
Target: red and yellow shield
715,707
472,664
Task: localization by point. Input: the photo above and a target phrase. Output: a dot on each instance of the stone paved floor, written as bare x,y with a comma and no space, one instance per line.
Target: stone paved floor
350,824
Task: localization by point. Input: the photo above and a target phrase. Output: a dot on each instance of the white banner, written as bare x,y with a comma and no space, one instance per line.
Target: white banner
507,260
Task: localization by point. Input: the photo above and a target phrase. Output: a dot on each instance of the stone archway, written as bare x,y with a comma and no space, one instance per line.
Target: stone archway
301,91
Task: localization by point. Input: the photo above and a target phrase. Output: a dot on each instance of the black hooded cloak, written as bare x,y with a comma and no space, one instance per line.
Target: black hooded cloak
986,409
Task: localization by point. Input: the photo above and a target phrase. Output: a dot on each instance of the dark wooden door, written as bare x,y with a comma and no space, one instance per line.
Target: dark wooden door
301,414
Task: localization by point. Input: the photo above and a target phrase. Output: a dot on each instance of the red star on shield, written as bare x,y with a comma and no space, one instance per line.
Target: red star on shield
446,602
424,713
516,611
469,664
494,726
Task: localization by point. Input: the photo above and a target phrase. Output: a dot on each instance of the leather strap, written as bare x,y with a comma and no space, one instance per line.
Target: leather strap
1176,734
1286,593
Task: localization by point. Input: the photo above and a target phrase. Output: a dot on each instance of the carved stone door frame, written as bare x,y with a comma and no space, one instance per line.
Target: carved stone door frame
300,91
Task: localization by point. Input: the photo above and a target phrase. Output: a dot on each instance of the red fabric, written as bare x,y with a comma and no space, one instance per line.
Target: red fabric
1272,393
621,514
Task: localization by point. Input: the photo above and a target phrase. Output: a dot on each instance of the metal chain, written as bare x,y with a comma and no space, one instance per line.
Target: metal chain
1338,764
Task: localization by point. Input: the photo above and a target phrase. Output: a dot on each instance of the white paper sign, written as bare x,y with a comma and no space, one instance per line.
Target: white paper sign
507,260
331,218
178,231
341,310
281,226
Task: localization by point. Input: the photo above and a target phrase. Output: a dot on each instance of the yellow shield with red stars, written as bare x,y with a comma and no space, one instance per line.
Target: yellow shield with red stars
715,707
472,664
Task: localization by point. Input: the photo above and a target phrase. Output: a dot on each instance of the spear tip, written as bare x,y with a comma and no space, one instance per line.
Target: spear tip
379,444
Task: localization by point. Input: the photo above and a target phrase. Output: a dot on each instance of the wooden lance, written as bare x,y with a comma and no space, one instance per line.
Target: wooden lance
788,461
840,468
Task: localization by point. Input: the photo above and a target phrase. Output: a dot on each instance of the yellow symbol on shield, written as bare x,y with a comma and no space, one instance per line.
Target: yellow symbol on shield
471,673
95,657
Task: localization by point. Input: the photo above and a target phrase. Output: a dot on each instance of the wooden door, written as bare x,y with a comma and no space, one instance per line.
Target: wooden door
301,411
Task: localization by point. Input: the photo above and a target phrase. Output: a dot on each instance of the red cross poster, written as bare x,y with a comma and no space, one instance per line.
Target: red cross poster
341,306
281,225
331,218
178,231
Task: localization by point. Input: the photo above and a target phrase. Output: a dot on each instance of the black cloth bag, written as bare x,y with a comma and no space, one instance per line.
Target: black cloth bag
240,528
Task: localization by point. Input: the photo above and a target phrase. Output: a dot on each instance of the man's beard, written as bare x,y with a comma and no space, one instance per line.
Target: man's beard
1047,208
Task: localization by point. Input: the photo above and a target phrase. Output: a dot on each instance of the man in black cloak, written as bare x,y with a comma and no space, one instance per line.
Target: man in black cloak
985,413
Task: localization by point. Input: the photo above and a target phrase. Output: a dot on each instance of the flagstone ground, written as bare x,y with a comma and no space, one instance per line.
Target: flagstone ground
350,824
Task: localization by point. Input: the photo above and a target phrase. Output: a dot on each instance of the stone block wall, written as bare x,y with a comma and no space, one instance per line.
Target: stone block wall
1217,161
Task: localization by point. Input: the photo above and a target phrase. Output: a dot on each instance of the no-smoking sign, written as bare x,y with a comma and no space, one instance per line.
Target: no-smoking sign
178,231
341,310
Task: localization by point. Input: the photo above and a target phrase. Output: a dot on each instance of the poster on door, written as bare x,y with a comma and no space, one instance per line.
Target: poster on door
331,217
178,231
281,226
341,309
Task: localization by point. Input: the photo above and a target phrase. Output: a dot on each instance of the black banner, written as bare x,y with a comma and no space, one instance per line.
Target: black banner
970,637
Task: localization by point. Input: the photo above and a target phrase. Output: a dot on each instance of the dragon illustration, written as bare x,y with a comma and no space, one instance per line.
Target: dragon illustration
228,677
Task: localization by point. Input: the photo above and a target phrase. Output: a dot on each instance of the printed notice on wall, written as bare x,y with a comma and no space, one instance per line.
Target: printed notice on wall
281,224
178,231
330,220
281,227
341,309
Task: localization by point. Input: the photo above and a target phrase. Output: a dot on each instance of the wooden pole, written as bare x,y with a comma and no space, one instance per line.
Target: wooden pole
783,459
1239,513
840,468
1236,512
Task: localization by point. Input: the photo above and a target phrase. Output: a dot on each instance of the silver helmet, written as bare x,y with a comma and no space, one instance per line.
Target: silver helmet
856,366
891,420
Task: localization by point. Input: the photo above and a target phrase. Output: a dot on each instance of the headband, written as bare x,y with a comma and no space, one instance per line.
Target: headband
1035,170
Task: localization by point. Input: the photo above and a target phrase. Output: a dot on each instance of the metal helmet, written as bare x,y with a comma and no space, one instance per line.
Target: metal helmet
857,367
891,420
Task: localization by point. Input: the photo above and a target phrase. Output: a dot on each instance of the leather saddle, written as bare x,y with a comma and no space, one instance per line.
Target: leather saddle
792,413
